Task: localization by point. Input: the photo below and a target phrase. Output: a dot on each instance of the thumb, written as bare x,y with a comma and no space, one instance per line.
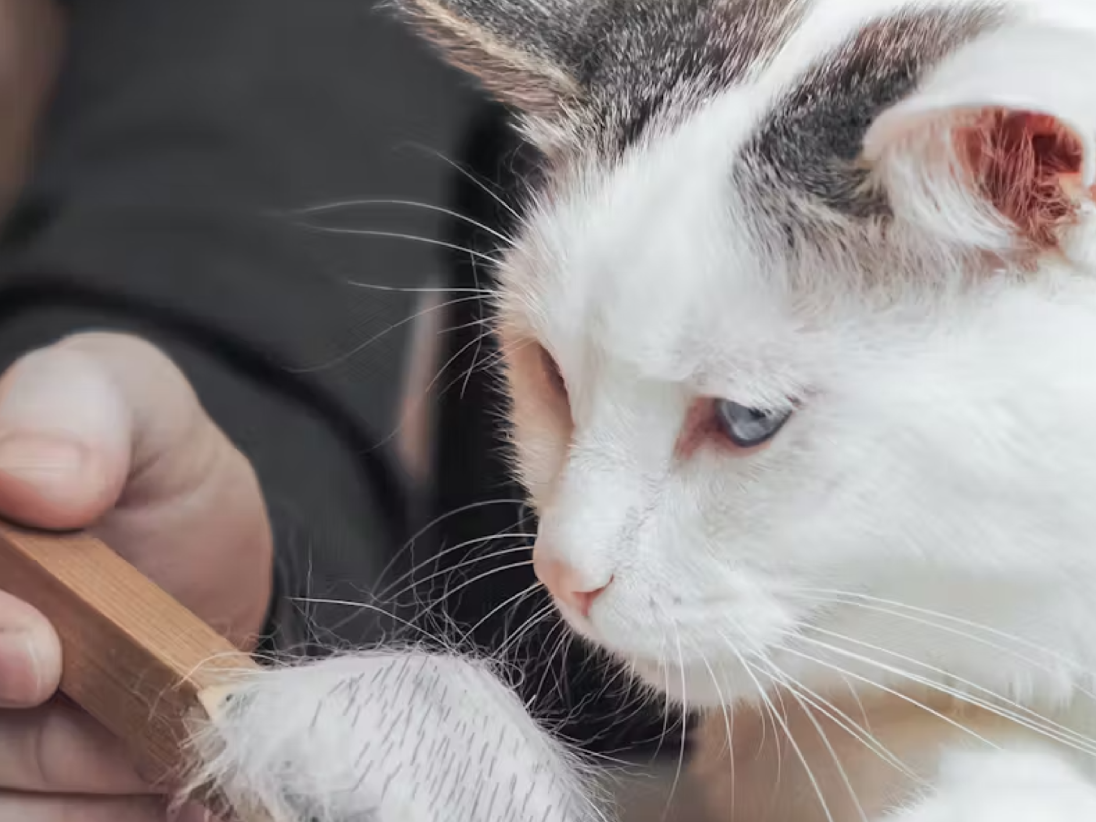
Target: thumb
65,434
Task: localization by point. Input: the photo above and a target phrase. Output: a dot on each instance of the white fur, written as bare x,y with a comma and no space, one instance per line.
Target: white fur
923,521
390,736
1015,786
943,456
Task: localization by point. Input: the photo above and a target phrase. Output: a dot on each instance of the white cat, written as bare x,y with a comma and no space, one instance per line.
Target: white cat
801,346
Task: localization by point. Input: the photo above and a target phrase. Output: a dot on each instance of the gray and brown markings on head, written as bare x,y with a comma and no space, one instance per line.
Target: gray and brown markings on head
607,73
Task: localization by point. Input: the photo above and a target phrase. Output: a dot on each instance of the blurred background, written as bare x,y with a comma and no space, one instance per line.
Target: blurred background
340,346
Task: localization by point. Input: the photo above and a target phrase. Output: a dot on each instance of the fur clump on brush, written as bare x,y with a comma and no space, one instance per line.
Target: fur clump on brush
388,735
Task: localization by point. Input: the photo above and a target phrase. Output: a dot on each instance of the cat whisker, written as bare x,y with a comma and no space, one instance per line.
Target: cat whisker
639,693
512,600
451,591
464,375
347,204
897,694
483,186
365,606
424,395
629,694
1069,738
992,695
483,322
535,619
864,600
499,355
727,723
567,643
684,734
557,648
414,581
840,598
853,728
463,509
666,705
399,235
479,340
477,293
777,676
815,784
357,349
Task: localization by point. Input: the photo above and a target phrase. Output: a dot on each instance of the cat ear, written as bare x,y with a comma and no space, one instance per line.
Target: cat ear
998,145
517,49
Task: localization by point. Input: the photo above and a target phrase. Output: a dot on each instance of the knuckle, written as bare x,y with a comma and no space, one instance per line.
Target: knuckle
111,344
39,739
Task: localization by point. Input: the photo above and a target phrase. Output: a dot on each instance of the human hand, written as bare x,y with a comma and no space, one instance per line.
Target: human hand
102,431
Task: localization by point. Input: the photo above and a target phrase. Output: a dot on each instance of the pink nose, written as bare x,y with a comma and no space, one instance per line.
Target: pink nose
564,583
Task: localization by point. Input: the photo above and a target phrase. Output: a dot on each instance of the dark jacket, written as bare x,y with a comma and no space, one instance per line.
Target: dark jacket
184,138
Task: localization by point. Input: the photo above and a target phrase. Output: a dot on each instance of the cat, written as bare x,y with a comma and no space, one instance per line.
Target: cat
798,331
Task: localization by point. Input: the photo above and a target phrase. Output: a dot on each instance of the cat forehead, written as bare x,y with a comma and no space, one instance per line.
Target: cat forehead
646,65
634,257
662,252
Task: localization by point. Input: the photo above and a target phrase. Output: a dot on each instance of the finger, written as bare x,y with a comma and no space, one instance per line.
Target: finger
29,808
98,413
56,749
65,434
192,501
30,655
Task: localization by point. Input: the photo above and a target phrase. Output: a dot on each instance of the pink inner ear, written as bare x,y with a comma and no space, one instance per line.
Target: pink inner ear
1028,166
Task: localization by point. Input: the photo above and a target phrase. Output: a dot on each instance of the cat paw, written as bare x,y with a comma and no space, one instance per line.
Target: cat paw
1005,786
391,737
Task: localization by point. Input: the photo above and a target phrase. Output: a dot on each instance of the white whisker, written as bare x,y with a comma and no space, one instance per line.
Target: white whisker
777,676
684,734
399,235
345,204
463,509
474,179
784,726
357,349
509,601
727,724
992,695
985,705
415,582
898,694
849,598
530,623
855,730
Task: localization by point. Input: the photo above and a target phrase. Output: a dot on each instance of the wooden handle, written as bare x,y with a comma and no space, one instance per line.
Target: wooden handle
134,658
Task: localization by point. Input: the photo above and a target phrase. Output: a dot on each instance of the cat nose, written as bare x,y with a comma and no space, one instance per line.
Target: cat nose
567,585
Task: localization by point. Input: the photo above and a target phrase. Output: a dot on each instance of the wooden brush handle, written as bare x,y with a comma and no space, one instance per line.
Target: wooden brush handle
134,658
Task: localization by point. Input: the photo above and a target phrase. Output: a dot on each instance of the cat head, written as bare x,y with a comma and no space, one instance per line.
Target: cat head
798,328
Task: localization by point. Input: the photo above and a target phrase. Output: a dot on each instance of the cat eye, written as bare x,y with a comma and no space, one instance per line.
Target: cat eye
748,427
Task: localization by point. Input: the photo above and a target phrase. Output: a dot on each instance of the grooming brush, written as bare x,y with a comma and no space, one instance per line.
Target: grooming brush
136,660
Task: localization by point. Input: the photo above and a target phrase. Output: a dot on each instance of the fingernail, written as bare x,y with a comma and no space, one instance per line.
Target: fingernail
53,405
37,459
59,394
20,669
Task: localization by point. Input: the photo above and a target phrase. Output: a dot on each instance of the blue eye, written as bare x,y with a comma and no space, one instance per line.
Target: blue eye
748,427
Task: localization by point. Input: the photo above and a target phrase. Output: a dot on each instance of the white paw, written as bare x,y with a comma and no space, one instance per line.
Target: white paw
391,737
1006,786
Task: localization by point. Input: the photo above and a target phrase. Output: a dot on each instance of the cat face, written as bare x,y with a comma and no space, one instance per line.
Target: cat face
798,332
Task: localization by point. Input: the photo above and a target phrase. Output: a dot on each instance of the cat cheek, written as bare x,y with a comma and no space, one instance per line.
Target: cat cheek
541,420
535,379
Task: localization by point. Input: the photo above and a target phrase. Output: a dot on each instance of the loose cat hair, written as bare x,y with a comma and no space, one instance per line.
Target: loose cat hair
797,329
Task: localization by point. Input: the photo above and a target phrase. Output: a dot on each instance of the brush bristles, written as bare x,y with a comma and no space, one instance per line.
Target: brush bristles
403,736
